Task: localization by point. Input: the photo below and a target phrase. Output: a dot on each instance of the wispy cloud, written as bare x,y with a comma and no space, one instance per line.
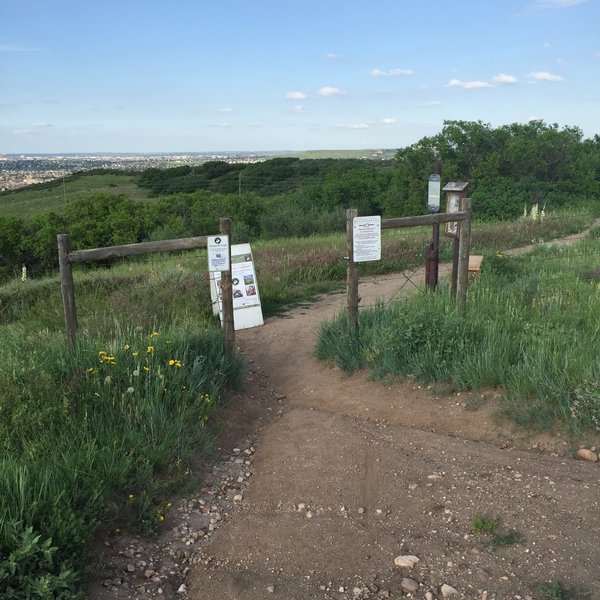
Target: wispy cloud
553,4
354,126
17,48
392,73
299,109
330,91
544,76
469,85
505,78
389,120
296,96
226,109
333,56
431,103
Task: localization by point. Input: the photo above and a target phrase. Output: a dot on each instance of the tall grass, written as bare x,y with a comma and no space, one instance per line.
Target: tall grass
532,328
94,435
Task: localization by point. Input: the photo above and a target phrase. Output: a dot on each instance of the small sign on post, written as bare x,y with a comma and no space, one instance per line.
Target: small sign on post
455,192
218,252
366,236
433,193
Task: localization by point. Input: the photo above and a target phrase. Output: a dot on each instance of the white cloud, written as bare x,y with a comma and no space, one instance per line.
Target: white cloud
389,120
391,73
505,78
333,56
469,85
551,4
226,110
330,91
299,109
296,96
544,76
355,126
431,103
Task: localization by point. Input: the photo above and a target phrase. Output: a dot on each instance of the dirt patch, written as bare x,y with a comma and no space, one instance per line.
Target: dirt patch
323,479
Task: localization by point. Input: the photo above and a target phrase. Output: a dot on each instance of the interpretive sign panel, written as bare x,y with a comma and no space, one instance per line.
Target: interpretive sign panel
247,311
218,252
366,236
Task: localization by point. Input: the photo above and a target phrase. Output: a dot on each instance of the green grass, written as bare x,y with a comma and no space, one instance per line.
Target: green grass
555,590
53,196
489,526
531,329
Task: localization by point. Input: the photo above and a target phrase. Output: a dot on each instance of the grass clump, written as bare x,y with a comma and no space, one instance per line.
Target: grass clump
555,590
530,330
483,524
489,526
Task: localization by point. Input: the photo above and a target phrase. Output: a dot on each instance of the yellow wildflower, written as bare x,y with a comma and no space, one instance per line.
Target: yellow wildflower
154,334
150,350
134,353
126,347
161,517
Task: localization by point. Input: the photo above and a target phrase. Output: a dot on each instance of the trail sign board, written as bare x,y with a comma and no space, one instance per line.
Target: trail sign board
366,238
218,252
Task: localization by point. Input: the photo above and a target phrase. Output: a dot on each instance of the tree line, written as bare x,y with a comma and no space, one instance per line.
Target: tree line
508,167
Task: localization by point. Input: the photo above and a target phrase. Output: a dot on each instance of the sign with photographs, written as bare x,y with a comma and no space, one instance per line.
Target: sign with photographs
247,311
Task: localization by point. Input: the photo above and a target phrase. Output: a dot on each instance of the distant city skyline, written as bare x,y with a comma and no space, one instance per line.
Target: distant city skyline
150,77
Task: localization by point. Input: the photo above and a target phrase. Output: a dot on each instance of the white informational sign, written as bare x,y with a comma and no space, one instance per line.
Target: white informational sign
218,252
433,193
247,311
366,235
452,205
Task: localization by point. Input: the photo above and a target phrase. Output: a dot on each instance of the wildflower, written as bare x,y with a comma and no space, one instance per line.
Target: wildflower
134,353
101,353
175,363
90,370
126,347
136,373
107,380
146,369
154,334
161,517
130,390
131,496
117,531
150,350
169,504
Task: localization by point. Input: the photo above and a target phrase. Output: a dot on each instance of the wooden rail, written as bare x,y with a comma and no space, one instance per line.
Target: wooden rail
66,257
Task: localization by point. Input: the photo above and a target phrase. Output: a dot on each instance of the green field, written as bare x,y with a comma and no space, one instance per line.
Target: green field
43,198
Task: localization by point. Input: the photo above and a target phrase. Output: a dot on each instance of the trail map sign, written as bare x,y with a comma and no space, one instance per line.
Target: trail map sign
366,235
247,311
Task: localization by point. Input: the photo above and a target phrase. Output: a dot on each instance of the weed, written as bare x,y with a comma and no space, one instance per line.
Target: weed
483,524
555,590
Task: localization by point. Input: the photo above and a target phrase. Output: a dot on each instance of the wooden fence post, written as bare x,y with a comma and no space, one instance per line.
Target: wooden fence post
227,292
67,287
352,270
464,247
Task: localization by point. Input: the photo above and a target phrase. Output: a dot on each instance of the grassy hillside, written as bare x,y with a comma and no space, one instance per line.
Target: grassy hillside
53,196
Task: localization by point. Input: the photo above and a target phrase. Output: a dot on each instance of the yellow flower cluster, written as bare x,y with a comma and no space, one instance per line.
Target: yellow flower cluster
105,358
175,363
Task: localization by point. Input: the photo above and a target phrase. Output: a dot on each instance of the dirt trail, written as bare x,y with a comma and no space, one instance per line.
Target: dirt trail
352,473
327,478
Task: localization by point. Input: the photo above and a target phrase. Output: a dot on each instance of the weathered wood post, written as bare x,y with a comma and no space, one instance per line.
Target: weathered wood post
227,291
463,255
67,287
352,270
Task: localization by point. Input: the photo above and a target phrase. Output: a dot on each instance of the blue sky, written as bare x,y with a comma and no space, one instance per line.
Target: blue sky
149,76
